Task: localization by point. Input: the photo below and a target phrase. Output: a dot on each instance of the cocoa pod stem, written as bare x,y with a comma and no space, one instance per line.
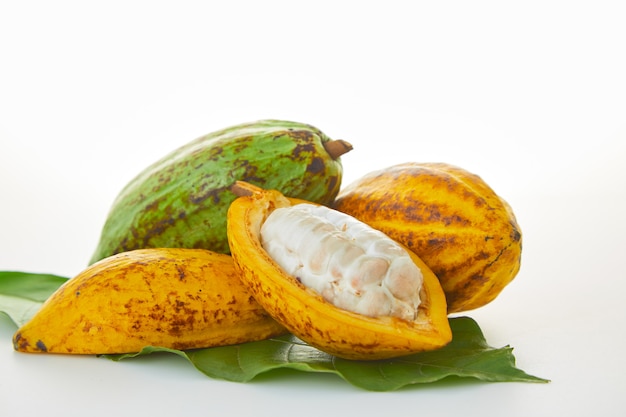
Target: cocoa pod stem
338,147
244,189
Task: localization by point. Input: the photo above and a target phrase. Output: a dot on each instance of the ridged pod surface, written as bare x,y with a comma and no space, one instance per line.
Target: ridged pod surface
182,199
174,298
307,315
450,218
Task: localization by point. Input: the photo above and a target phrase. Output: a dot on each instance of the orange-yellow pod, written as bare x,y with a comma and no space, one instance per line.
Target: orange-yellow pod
173,298
306,314
451,218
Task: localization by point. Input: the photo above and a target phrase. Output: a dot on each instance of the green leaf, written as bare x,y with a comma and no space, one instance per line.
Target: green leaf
467,356
23,293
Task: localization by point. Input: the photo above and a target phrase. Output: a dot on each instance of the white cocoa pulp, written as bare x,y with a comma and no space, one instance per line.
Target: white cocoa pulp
347,262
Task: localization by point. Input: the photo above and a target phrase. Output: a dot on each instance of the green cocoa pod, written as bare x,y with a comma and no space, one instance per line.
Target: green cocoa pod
181,201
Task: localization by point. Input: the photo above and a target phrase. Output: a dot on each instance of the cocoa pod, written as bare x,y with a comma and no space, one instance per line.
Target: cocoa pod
451,218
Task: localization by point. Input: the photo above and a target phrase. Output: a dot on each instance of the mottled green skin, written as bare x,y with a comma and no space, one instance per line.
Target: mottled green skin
182,200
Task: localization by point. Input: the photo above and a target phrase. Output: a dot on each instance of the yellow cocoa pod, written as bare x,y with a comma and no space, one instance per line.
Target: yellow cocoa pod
173,298
450,218
306,312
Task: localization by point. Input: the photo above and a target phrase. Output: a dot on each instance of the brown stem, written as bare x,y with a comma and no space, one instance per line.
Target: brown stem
336,148
242,188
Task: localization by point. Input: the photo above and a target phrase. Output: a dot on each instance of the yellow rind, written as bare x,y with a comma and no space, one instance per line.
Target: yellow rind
173,298
451,218
308,316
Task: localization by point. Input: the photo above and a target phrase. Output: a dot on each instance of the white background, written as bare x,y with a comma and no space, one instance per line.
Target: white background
529,95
